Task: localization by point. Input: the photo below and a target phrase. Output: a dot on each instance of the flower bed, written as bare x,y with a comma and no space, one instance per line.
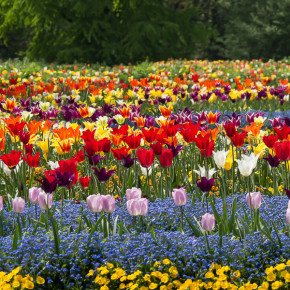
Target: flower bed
172,175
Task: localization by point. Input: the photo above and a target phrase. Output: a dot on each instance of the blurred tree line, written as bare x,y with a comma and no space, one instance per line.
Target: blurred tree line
122,31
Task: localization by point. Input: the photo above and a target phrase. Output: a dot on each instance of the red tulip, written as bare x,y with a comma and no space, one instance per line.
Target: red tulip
92,147
283,133
133,141
79,156
239,139
105,145
270,140
69,166
84,181
282,150
28,148
32,161
189,131
205,146
88,135
230,129
171,130
166,158
145,157
157,148
12,159
150,134
118,153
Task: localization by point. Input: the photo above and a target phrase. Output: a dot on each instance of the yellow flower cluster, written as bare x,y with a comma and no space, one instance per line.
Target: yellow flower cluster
164,275
14,280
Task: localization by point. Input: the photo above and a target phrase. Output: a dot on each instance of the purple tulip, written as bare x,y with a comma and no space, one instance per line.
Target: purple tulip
288,215
127,161
138,206
208,222
18,204
102,175
1,202
44,200
94,202
205,184
47,186
179,196
256,200
33,194
133,193
287,192
108,203
272,160
94,160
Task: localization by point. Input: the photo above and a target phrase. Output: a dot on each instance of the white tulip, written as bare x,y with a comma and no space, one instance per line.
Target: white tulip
220,157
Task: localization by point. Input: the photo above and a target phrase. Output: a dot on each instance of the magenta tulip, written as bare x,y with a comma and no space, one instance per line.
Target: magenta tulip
179,196
133,193
256,200
138,206
33,194
208,222
108,203
1,202
18,204
94,202
44,200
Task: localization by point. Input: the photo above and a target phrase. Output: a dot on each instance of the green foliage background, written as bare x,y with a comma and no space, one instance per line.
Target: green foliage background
123,31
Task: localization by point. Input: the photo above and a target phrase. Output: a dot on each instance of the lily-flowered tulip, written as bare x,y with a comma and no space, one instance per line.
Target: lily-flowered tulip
220,158
247,164
102,174
33,194
256,200
18,204
179,196
203,173
108,203
1,203
94,202
138,206
133,193
272,160
45,200
145,157
208,222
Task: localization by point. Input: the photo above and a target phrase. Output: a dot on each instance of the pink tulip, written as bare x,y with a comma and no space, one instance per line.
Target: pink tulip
256,199
179,196
44,200
208,222
138,206
133,193
33,194
288,215
94,202
108,203
1,202
18,204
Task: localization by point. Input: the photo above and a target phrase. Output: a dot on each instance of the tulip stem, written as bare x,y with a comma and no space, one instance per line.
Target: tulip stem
207,243
181,218
250,200
35,209
233,170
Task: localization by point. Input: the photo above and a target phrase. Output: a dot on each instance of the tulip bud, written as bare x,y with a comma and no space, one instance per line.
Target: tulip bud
108,203
179,196
44,200
288,215
133,193
208,222
1,202
256,200
137,206
18,204
33,194
94,202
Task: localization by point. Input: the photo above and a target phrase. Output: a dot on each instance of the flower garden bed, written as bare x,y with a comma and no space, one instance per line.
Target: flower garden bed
172,175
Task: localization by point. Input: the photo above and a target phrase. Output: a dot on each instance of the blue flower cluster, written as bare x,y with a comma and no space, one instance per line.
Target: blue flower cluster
36,254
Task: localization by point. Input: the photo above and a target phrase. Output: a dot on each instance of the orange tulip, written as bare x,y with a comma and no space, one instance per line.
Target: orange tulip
166,112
